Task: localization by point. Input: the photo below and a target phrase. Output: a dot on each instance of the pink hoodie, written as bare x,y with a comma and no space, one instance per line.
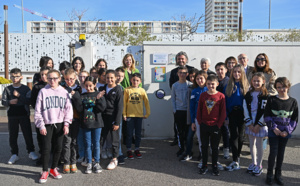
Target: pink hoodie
53,106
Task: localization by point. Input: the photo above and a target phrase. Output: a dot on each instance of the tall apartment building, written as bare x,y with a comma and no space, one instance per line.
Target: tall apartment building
221,15
88,27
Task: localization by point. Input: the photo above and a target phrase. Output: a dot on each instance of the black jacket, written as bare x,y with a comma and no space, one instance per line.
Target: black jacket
114,103
91,110
262,101
35,92
174,77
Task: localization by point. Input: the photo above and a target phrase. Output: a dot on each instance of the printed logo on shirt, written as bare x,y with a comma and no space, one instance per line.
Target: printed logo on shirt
263,104
89,104
282,113
134,98
192,96
209,105
54,102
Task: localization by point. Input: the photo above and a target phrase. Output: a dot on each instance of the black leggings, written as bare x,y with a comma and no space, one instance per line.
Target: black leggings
277,148
236,128
55,134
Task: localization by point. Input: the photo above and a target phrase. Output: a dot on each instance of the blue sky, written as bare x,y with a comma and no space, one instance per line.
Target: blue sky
285,13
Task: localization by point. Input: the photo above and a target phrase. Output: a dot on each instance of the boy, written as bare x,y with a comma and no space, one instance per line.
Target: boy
120,77
179,103
192,73
223,80
69,142
211,114
16,98
34,94
112,115
134,99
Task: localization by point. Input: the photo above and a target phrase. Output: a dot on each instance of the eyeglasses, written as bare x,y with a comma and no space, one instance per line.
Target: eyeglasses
262,59
15,77
70,79
54,79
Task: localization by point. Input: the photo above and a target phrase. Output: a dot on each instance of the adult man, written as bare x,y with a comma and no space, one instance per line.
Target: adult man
205,64
181,60
243,60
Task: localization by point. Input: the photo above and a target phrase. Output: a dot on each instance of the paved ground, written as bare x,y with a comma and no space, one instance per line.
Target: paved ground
159,166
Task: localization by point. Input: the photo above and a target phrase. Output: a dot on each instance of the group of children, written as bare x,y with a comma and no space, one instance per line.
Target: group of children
71,109
215,105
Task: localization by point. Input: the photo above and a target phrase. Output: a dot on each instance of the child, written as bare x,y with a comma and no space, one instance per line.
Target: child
120,76
192,74
199,88
211,114
62,67
112,116
93,105
53,114
134,98
101,78
80,137
235,91
16,98
281,116
254,107
101,63
69,142
94,72
78,64
34,94
179,103
223,80
45,61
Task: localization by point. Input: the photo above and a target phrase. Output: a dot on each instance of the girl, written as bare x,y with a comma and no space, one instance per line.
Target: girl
199,87
53,114
254,106
93,105
101,78
101,63
230,62
45,61
235,91
262,64
281,116
78,64
94,72
129,67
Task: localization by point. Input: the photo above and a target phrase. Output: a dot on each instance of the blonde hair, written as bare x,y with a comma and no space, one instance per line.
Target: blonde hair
132,68
70,71
84,71
231,87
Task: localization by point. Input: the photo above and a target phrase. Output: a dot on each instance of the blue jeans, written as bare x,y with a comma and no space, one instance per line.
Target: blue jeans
80,143
134,123
120,139
92,136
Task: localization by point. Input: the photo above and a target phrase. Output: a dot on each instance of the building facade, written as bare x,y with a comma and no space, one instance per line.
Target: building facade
221,15
90,27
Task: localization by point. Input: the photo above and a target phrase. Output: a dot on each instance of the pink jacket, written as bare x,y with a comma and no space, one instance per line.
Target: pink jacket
53,106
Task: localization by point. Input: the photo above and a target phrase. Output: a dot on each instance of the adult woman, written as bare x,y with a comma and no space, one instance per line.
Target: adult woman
101,63
78,64
230,62
262,64
44,61
129,67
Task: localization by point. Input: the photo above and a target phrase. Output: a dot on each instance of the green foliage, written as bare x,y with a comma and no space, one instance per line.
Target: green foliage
123,36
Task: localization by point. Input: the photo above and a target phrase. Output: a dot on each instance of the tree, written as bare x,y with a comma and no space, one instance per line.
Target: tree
76,16
123,35
188,25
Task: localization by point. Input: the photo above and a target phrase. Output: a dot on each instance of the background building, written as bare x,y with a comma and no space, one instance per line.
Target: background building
221,15
89,27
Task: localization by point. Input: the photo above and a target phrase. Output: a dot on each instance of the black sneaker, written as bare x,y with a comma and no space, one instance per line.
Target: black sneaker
121,160
203,170
215,171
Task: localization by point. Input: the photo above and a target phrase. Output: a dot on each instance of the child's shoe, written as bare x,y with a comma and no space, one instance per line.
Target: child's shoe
80,160
130,155
32,155
215,171
220,166
66,169
226,153
121,160
203,170
251,168
97,168
13,159
44,177
73,168
89,168
200,165
138,154
55,174
233,166
112,165
104,154
257,171
84,163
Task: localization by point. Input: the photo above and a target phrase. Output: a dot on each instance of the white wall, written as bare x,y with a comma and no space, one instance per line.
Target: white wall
283,60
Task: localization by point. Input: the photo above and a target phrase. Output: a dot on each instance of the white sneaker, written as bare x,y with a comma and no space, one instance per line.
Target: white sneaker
108,152
103,154
13,159
233,166
226,153
33,155
112,165
80,160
